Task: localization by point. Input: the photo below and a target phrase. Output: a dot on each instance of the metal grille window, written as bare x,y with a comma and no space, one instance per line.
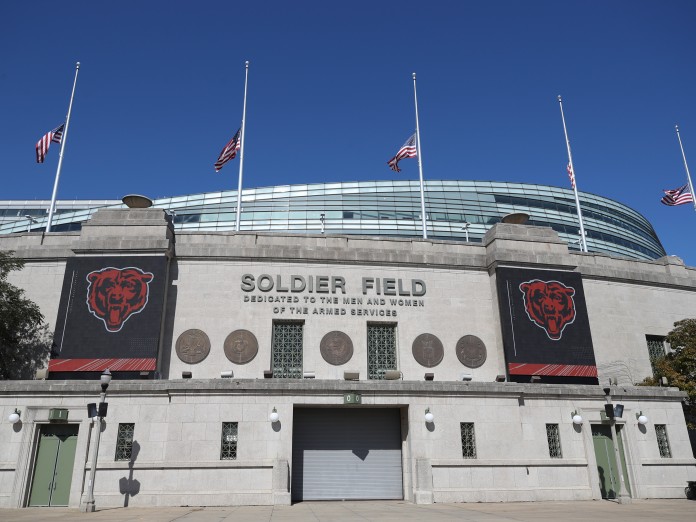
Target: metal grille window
286,357
554,439
663,441
228,446
468,440
381,349
124,441
656,349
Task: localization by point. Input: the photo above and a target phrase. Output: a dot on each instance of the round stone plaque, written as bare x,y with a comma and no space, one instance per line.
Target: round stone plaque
427,350
241,346
471,351
193,346
336,348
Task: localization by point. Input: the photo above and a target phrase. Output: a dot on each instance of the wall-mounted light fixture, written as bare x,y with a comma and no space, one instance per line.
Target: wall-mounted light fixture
500,378
429,376
577,418
642,419
274,416
14,416
429,417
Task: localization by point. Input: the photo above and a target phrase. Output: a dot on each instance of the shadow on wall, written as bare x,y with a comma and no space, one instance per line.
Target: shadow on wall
128,486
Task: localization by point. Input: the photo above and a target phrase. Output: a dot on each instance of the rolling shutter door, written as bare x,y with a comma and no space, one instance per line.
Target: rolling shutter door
349,453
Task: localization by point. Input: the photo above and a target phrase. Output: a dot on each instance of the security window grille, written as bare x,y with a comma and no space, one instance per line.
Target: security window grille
554,439
286,358
656,349
228,446
468,440
663,441
124,441
381,349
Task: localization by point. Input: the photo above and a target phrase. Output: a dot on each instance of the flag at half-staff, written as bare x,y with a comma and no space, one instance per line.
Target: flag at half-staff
407,150
54,136
684,194
679,196
57,135
571,175
230,151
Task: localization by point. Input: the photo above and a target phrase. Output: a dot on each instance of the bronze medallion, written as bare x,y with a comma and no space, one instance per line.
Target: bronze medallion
241,346
193,346
427,350
336,348
471,351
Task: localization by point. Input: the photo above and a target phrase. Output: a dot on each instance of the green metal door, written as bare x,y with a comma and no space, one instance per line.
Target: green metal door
606,461
53,470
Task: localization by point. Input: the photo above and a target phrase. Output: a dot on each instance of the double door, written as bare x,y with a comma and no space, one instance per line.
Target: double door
609,478
55,459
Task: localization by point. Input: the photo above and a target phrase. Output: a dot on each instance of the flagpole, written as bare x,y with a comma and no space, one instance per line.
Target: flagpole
420,162
688,175
583,242
241,152
52,209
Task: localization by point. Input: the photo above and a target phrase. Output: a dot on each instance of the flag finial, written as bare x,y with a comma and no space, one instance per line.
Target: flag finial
77,65
246,64
677,127
414,76
559,98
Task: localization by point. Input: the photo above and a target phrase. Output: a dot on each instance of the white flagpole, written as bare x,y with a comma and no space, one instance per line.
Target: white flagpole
52,209
691,185
420,162
241,152
583,241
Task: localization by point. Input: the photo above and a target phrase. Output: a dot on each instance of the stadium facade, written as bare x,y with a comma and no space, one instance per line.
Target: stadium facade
266,367
455,210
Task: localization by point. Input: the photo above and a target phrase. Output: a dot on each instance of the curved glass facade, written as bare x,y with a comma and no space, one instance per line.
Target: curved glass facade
392,208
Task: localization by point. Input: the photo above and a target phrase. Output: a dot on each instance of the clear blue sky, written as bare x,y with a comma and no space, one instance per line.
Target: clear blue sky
330,95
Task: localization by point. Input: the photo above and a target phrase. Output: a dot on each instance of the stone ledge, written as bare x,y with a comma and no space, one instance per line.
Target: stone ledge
15,389
668,462
216,464
507,463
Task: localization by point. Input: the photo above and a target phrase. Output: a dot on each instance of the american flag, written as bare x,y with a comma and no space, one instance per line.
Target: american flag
679,196
230,151
571,175
42,145
407,150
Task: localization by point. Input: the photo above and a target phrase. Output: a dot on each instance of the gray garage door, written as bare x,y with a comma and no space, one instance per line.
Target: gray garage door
349,453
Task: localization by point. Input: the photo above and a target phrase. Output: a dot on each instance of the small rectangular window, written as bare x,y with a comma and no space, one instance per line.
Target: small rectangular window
554,439
228,446
124,441
663,441
656,349
468,440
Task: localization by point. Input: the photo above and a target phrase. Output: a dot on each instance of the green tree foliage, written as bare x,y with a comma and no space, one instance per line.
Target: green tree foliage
679,366
25,340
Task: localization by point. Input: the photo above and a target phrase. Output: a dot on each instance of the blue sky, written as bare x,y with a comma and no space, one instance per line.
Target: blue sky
330,95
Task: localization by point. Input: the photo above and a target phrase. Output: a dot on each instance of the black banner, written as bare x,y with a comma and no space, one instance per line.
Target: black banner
546,330
110,314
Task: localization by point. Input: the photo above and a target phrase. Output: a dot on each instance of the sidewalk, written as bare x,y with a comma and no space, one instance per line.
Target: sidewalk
638,511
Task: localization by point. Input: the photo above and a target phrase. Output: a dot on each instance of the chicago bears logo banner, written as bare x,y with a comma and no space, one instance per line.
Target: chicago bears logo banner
110,314
546,330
